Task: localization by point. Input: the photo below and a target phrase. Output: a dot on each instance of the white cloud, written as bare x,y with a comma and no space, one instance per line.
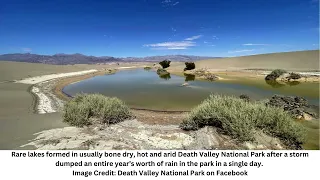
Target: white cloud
193,38
185,44
167,3
177,48
26,49
208,43
286,45
250,44
176,3
315,44
240,51
215,37
171,45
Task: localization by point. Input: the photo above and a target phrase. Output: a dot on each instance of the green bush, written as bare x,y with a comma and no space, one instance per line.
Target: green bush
189,66
240,119
80,110
165,64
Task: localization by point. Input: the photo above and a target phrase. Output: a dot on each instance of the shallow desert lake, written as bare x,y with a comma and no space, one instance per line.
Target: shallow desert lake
145,89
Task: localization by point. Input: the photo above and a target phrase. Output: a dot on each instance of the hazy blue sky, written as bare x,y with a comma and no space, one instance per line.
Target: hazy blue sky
157,27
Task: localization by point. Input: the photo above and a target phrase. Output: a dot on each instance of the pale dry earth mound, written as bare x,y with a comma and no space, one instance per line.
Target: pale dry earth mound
135,135
294,61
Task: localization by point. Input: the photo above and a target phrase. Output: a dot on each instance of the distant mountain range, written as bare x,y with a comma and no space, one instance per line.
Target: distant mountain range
63,59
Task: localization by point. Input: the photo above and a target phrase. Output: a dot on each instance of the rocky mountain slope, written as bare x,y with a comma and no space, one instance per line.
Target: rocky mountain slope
63,59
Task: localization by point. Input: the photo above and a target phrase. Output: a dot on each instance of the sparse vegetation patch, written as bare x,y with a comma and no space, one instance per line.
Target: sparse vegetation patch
165,64
275,74
240,120
85,109
189,66
294,76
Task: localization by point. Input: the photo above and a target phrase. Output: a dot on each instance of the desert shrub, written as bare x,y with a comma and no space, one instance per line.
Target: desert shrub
200,72
294,76
278,72
270,77
275,74
165,64
210,77
244,97
189,66
115,111
240,119
147,68
80,110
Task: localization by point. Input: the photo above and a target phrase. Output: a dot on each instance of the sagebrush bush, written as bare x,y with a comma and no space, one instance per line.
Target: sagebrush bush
80,110
244,97
278,72
275,74
165,64
240,119
189,66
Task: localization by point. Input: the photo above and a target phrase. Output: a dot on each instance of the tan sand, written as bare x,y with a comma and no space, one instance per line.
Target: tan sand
292,61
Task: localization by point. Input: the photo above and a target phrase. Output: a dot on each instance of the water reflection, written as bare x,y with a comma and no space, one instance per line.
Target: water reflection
189,77
293,83
165,76
276,84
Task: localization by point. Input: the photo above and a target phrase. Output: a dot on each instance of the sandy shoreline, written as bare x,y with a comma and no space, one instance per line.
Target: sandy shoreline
40,79
46,102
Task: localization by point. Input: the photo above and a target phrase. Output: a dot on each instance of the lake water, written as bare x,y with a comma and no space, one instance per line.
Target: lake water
146,89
